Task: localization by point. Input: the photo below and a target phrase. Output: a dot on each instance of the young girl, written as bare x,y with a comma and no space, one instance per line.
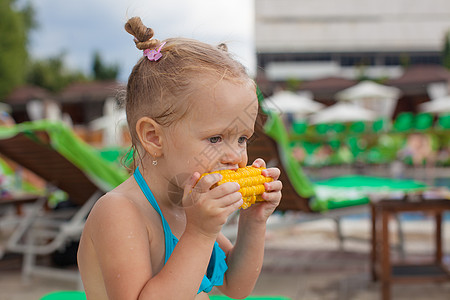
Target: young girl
191,109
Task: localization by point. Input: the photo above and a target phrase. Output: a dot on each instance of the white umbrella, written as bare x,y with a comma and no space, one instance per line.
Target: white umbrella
289,102
111,123
343,112
368,90
438,105
379,98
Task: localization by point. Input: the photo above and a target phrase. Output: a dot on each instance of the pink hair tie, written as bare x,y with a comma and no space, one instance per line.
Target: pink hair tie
154,55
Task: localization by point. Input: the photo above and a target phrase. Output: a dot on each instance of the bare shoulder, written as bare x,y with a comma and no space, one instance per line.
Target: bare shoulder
115,212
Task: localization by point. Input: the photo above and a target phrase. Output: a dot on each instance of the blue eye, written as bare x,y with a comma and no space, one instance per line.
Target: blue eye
242,140
215,139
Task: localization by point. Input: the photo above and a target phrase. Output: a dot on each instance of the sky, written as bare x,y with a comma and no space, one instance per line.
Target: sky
81,27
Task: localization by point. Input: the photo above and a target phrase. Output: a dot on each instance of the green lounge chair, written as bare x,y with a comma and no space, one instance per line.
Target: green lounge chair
53,152
299,127
357,127
380,125
444,122
404,122
423,121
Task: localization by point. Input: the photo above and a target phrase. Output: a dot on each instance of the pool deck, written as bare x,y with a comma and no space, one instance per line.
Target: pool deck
302,261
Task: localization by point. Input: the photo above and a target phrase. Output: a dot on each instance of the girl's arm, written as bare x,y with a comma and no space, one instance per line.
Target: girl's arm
124,242
245,258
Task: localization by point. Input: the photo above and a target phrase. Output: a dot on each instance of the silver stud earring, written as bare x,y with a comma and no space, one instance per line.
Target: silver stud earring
154,162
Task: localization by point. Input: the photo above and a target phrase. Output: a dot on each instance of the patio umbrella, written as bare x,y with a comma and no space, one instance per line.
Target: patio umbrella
111,123
377,97
368,89
289,102
438,105
343,112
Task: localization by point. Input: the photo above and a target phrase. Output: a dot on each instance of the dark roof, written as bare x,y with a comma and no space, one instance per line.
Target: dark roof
415,79
325,88
91,91
328,83
25,93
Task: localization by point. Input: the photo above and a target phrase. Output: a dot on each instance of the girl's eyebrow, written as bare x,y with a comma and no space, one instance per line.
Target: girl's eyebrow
227,129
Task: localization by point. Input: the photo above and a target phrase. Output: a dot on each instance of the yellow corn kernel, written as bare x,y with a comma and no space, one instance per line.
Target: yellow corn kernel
249,179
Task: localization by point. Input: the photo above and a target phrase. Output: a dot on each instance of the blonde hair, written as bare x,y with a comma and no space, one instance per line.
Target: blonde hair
159,89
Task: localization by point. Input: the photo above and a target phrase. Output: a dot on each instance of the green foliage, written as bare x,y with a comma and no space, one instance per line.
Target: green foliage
15,25
52,74
405,60
446,51
293,84
103,71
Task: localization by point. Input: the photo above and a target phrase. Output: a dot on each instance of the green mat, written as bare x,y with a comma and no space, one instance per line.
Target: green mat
103,173
79,295
353,190
65,295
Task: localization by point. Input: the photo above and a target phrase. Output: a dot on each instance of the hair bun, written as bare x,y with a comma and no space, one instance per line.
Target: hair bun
142,34
223,47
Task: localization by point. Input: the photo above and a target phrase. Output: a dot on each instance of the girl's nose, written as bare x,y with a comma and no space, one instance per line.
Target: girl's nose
232,155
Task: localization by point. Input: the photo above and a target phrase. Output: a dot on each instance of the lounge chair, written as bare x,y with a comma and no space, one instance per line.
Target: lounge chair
54,153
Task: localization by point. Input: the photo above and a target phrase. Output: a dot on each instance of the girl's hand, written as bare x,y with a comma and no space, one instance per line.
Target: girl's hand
207,209
272,196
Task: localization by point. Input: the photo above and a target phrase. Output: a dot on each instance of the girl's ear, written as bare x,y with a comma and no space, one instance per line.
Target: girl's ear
150,135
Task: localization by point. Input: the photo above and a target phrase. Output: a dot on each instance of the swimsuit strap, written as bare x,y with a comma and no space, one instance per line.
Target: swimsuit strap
170,244
217,264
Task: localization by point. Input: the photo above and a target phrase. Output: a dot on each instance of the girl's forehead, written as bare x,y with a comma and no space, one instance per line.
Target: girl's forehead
225,100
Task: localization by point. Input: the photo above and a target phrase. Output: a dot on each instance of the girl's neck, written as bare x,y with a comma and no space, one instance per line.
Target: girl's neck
160,187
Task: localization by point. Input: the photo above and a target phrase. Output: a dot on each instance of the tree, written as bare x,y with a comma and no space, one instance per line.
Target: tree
446,51
102,71
52,74
15,26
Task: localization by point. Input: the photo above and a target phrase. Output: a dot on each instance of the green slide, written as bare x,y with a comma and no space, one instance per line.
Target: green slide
104,173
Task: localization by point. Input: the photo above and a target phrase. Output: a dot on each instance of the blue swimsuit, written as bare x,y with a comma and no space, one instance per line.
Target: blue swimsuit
217,265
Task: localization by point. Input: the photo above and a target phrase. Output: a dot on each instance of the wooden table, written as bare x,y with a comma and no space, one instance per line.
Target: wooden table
382,267
18,200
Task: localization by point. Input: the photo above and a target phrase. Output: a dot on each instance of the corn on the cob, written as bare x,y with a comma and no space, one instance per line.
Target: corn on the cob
250,180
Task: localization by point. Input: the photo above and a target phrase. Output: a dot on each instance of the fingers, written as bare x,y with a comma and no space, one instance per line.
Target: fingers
190,183
230,200
259,163
272,172
224,189
272,196
203,185
225,194
273,186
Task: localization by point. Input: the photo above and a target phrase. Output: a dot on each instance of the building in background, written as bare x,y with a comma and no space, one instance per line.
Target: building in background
298,41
